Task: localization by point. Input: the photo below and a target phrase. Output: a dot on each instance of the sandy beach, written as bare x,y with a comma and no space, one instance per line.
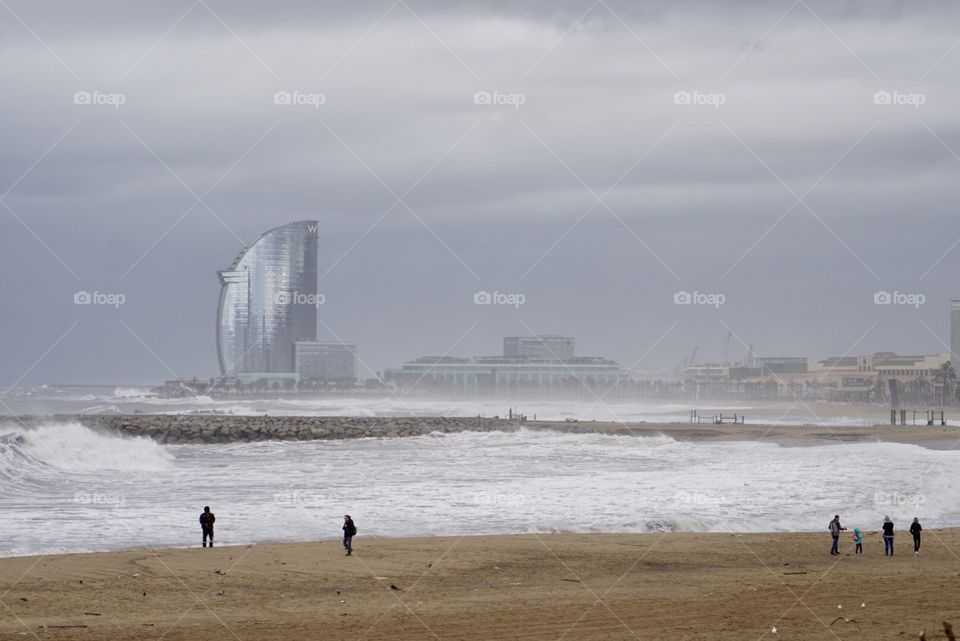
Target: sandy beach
563,586
935,437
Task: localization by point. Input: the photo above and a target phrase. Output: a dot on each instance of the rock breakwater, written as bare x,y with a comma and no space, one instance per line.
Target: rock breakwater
207,428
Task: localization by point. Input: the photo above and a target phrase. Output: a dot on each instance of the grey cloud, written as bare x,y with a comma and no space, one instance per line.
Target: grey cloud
499,199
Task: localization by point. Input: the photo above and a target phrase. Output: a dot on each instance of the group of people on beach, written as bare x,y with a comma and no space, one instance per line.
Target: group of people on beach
207,519
888,536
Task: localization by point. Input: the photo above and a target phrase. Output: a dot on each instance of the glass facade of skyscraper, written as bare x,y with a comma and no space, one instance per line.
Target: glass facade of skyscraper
268,302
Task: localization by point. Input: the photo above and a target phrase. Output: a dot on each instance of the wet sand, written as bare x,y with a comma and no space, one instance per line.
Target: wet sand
934,437
571,587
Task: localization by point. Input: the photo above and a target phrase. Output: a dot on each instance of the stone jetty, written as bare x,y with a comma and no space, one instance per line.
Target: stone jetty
219,428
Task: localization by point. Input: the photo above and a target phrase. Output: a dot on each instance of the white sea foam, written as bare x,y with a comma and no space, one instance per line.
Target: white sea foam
100,409
132,392
71,447
105,492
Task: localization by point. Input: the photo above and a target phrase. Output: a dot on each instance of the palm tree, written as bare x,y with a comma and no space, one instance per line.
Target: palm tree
946,372
879,393
946,376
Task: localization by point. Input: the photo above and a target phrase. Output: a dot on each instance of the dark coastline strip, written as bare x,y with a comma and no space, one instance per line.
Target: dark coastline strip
231,428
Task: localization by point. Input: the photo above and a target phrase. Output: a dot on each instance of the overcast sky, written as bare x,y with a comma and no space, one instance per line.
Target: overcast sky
629,152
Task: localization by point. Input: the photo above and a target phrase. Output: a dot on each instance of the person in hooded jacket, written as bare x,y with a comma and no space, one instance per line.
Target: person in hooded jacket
349,531
915,530
207,520
887,536
857,541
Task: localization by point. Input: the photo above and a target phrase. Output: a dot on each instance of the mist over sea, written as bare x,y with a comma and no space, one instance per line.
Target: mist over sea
123,400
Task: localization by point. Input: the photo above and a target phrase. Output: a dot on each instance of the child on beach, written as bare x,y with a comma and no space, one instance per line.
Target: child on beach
858,540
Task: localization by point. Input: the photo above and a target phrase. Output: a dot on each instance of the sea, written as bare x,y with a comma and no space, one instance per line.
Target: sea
67,488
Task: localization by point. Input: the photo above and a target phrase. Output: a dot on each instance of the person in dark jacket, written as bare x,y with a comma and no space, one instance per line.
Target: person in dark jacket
206,525
887,536
915,530
349,531
835,529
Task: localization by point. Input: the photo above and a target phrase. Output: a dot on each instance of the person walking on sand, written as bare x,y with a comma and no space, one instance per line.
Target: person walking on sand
349,531
206,525
887,536
857,541
835,530
915,530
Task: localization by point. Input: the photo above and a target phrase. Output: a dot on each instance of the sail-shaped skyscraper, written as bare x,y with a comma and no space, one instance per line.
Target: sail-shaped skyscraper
268,302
